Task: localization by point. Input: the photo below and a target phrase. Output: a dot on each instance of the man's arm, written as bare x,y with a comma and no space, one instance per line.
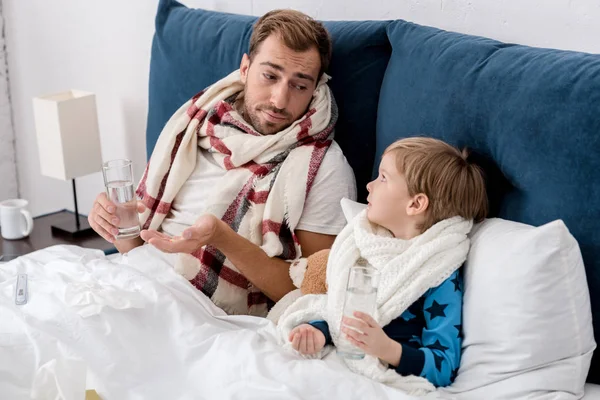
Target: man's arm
270,275
311,242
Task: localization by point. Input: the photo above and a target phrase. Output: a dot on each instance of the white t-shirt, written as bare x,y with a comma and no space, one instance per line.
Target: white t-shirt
322,211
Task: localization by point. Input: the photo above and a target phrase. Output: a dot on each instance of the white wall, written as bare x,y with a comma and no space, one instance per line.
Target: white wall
8,166
104,47
97,46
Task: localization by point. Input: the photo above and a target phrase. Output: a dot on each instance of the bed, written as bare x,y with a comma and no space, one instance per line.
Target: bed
129,327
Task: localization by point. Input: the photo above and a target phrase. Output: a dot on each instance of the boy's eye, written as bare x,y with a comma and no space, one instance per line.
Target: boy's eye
268,76
382,178
300,87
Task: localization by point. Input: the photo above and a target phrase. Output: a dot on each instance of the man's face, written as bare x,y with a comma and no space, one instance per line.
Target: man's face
278,85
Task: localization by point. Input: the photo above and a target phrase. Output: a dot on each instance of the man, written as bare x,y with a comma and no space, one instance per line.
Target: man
251,160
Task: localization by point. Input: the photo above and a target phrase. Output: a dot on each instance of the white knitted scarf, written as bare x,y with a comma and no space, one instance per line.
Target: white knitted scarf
262,194
408,268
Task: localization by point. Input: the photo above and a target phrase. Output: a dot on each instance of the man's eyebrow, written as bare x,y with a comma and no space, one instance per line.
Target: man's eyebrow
280,68
272,65
304,76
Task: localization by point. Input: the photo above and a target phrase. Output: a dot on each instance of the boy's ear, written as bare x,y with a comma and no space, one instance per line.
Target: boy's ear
244,66
418,204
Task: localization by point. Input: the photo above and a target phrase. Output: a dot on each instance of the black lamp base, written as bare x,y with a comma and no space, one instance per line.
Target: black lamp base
68,226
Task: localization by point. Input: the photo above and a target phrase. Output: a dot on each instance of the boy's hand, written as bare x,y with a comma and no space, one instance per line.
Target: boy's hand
307,339
371,339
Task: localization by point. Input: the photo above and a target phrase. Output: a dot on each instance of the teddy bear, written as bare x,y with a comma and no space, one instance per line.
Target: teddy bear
313,279
308,275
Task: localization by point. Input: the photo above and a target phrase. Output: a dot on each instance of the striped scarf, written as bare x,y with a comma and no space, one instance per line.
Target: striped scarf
262,194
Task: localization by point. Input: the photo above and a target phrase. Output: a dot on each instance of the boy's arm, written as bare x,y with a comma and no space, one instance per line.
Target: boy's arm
324,328
436,354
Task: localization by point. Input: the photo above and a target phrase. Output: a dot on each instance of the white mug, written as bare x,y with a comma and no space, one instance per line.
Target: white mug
15,220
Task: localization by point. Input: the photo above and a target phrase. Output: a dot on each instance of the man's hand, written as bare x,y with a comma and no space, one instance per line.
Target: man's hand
103,218
200,234
307,339
368,336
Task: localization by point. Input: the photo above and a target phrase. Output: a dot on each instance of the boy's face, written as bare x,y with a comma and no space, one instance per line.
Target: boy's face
391,205
278,84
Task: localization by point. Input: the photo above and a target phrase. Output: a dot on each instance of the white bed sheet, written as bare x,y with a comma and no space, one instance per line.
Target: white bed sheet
141,331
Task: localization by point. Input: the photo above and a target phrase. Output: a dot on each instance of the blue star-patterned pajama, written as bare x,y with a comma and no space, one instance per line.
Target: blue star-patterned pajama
429,332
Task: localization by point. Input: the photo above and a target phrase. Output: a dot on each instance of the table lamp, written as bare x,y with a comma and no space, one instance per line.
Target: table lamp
68,139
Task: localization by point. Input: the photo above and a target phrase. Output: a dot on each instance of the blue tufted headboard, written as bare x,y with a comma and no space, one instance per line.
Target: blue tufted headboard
193,48
531,116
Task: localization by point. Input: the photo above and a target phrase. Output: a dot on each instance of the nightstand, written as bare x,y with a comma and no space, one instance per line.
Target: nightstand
41,237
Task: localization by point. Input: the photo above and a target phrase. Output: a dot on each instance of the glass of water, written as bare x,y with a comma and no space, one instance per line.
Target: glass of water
118,180
361,295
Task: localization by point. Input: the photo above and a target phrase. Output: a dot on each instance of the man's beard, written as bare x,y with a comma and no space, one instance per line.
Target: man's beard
251,115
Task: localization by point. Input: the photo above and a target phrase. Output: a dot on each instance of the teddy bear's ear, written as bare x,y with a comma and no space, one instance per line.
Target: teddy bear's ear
351,208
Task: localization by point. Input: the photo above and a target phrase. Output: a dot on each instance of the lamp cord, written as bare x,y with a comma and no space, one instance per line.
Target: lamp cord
76,208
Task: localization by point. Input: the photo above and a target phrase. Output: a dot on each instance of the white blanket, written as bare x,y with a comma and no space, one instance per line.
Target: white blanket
141,331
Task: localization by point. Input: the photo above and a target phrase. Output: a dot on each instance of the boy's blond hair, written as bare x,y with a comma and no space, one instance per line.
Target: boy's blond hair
453,185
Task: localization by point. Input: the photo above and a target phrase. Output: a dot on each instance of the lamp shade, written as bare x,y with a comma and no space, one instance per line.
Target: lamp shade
68,138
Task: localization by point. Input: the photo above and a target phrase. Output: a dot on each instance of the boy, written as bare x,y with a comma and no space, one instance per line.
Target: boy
421,207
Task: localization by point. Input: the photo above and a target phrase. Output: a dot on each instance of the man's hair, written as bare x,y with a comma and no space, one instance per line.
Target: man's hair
297,30
453,185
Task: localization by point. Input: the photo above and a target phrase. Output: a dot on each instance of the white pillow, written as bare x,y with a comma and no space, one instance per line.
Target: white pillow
527,320
351,208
